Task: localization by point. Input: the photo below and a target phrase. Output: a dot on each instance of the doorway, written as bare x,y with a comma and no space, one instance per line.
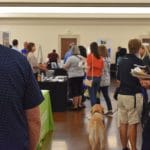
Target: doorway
65,42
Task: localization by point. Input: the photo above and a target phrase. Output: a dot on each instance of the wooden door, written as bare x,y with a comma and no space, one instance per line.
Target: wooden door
65,42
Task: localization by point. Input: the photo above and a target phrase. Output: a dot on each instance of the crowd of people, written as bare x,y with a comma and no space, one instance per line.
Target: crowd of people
28,51
131,94
79,66
21,95
94,68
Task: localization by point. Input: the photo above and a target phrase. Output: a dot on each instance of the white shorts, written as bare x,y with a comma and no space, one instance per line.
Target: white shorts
127,112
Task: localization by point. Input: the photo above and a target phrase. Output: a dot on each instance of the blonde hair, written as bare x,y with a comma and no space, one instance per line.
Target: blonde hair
103,51
147,52
75,50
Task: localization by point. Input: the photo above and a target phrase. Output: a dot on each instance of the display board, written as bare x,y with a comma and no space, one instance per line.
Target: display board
107,43
40,55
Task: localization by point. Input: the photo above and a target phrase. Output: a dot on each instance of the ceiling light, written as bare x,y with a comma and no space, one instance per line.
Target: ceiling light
75,10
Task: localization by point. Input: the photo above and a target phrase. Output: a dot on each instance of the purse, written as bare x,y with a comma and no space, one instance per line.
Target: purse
89,82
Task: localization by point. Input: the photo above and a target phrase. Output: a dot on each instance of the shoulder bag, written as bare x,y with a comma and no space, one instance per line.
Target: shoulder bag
89,82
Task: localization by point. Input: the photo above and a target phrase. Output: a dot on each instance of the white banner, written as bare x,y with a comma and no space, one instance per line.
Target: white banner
40,55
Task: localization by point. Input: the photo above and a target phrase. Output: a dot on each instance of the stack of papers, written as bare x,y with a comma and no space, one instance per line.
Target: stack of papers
139,73
56,79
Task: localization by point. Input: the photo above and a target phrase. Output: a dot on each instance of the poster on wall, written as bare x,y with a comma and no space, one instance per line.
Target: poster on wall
145,39
5,38
107,43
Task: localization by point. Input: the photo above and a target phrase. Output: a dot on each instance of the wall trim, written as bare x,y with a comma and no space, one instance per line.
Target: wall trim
86,22
79,4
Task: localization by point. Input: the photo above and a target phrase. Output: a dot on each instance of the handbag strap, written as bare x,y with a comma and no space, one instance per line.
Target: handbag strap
78,57
92,68
135,101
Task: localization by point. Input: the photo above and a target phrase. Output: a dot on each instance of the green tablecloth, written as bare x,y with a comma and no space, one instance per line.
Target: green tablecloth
47,123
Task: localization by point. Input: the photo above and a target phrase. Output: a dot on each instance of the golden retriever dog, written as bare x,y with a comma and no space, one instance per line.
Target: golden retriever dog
97,128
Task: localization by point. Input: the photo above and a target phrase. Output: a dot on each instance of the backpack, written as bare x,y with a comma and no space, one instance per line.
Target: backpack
145,114
146,109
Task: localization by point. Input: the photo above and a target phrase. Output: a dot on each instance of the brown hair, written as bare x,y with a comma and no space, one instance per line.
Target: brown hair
94,50
30,46
15,42
103,51
134,46
75,50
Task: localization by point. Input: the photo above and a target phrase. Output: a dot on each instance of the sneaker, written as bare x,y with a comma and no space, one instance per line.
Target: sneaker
82,106
74,109
88,116
125,149
109,113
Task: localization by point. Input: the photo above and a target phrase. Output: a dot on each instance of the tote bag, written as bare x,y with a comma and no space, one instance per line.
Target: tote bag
89,82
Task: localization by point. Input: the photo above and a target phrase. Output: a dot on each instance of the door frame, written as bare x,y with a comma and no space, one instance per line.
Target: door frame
67,36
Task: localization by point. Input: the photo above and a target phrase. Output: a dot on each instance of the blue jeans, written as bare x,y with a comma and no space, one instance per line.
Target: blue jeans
94,89
146,136
106,97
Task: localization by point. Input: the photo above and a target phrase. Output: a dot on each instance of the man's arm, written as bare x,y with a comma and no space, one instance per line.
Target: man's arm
145,83
34,125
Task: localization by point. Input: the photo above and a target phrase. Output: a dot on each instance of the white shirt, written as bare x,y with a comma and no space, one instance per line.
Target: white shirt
15,48
105,79
74,69
33,62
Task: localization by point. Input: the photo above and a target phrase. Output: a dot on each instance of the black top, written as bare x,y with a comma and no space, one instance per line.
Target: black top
129,85
117,55
19,91
146,61
53,57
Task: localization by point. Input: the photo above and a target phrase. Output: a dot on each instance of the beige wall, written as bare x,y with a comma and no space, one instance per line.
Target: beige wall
46,32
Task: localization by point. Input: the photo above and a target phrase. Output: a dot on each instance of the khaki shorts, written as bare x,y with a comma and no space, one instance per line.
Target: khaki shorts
127,114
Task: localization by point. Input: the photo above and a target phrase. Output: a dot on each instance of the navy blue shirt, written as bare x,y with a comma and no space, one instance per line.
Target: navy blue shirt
129,85
19,91
24,51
